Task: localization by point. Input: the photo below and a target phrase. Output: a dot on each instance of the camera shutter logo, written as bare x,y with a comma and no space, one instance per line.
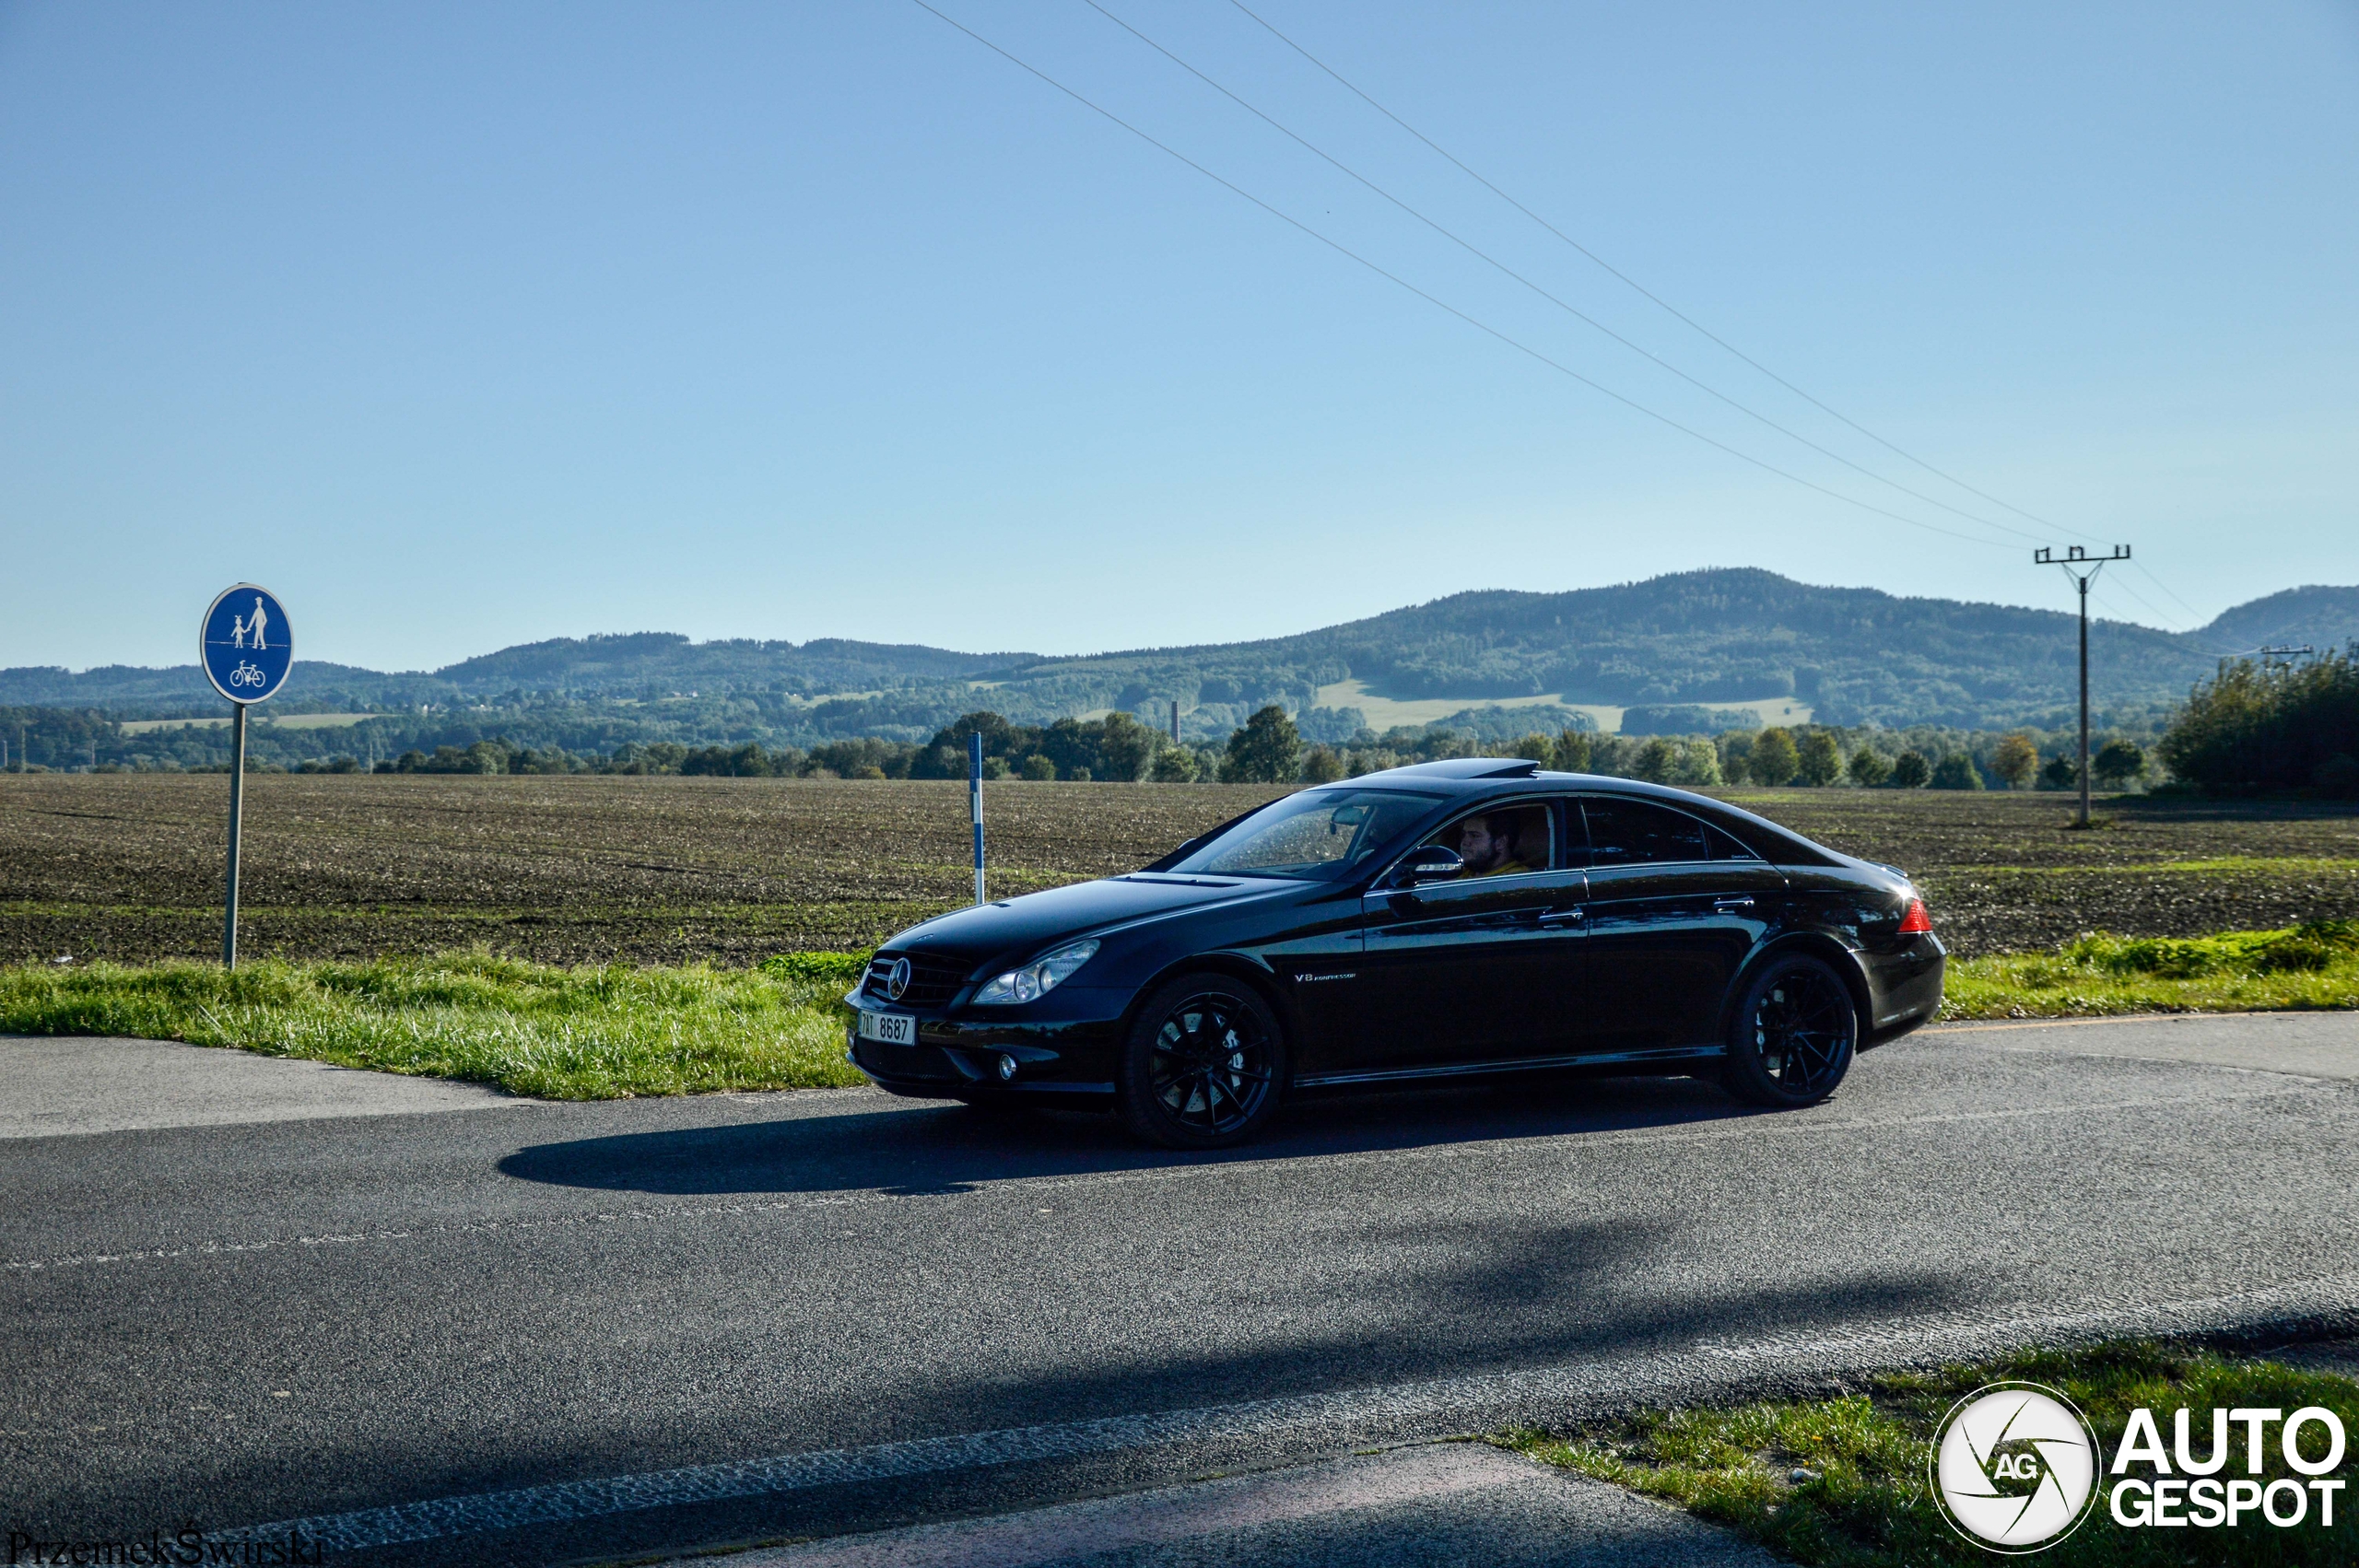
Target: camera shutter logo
2014,1468
896,979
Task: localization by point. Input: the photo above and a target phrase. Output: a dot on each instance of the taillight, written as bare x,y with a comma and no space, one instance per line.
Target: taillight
1916,922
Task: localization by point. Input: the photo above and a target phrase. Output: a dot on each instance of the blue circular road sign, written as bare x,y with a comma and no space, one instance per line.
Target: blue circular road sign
246,644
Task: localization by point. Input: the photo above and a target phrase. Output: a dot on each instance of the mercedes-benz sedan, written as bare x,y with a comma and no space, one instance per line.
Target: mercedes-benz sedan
1472,919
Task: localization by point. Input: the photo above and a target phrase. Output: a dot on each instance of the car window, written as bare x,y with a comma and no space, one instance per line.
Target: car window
1502,840
1318,833
1726,848
1631,833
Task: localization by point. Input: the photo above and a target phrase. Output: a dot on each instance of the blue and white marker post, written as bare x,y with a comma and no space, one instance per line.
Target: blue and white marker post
247,650
974,800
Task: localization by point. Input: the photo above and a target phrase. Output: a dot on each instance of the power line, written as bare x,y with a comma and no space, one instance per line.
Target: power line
1641,289
1578,315
1355,90
1484,327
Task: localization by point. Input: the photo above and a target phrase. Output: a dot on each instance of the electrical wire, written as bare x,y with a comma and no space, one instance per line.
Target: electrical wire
1569,310
1356,91
1479,325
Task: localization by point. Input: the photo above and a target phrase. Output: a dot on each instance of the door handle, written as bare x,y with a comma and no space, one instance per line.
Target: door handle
1571,917
1729,904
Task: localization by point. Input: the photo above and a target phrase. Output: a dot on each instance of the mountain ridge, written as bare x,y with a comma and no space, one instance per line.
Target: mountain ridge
1707,639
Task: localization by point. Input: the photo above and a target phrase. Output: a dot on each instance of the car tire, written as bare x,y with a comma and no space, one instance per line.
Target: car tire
1204,1066
1793,1036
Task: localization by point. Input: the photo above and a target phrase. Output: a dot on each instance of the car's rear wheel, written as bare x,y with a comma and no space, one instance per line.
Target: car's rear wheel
1204,1065
1793,1036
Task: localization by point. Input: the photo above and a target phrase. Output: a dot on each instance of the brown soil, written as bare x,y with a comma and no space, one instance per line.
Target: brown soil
592,869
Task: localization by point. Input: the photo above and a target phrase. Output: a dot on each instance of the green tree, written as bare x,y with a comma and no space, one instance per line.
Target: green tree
1125,747
1868,767
1698,766
2060,774
1534,748
1174,764
1774,759
2016,761
1655,762
1956,771
1267,750
1818,761
1321,764
1911,771
1571,753
2262,727
1039,768
2119,764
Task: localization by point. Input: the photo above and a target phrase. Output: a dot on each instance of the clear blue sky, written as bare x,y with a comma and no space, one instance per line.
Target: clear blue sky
464,325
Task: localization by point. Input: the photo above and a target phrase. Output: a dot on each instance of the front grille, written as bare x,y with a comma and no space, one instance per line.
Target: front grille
932,982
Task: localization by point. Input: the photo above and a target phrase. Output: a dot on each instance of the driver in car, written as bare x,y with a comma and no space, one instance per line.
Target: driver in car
1487,845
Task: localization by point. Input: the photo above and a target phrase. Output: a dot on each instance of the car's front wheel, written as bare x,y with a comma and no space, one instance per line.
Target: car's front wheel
1794,1036
1204,1065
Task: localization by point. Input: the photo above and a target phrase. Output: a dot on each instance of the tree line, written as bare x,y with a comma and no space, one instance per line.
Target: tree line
2268,726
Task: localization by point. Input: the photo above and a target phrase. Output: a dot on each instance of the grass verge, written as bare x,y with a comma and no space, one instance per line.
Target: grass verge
2312,966
568,1034
603,1032
1842,1481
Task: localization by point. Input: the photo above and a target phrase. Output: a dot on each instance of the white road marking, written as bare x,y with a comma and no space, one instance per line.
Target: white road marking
1591,1385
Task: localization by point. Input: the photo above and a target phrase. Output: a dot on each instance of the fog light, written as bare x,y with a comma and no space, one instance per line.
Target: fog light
1007,1068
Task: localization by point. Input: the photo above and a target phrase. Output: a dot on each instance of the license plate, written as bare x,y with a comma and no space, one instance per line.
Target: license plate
893,1028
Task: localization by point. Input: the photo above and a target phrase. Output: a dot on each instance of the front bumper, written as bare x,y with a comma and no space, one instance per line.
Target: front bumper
1064,1045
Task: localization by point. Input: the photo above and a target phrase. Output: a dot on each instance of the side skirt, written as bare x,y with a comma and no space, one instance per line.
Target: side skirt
1666,1054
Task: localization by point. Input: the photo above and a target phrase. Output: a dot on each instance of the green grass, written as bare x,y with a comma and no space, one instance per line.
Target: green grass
571,1034
603,1032
1865,1501
2312,966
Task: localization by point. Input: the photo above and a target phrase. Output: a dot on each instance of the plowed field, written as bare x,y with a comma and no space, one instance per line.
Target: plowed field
589,869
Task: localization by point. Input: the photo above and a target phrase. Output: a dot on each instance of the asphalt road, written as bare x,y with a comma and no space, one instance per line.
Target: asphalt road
480,1329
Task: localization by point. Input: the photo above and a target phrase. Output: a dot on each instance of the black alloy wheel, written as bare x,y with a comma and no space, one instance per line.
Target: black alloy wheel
1793,1036
1204,1066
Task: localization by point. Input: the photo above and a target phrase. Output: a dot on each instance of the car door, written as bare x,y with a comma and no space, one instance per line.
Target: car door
1675,906
1473,969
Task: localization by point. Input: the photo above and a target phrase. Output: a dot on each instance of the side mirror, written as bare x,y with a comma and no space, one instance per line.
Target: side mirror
1427,863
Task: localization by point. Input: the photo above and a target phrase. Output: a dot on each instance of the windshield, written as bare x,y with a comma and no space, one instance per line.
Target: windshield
1314,834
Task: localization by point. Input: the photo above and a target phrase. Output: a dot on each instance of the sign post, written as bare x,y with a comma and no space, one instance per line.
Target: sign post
247,648
975,802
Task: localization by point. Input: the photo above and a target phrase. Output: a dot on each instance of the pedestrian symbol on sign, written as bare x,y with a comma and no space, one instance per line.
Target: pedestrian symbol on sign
244,645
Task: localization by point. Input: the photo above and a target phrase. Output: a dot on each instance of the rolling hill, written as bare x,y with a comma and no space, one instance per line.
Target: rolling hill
1690,650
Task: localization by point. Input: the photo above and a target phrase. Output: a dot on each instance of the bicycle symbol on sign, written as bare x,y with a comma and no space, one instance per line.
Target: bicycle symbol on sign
247,674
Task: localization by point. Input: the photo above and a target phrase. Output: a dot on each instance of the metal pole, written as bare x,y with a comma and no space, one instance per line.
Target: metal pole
236,807
2084,699
975,804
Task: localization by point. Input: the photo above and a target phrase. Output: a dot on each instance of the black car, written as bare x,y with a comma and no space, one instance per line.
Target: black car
1477,917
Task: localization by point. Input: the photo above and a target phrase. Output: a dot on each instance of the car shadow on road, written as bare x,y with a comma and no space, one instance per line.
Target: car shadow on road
924,1147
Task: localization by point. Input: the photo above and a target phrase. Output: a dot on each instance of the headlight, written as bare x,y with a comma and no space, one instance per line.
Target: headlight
1039,978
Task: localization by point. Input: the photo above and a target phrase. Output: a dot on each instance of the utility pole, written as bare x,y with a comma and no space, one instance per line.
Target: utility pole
1175,723
2272,657
2082,568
